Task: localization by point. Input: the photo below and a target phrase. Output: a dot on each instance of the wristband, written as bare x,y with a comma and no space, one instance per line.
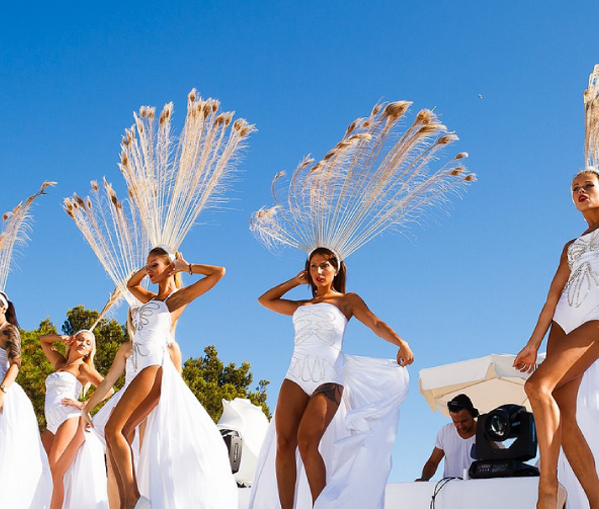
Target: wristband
190,271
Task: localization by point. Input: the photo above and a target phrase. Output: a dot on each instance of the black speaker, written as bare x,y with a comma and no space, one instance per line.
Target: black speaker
234,443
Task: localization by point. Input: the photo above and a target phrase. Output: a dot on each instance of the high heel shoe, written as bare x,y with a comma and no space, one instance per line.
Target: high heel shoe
143,503
562,496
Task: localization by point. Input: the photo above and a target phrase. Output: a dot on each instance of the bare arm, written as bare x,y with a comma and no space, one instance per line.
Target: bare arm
54,356
105,387
12,345
213,274
271,299
138,291
381,329
430,467
525,360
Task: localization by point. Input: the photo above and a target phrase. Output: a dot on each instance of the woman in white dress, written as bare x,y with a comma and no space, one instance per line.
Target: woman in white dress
63,437
183,460
311,392
26,480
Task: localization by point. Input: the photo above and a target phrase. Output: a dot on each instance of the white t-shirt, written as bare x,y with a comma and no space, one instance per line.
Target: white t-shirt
457,450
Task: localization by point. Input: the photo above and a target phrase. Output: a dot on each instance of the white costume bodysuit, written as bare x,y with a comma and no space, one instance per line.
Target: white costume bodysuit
59,385
24,471
183,462
317,356
578,304
358,443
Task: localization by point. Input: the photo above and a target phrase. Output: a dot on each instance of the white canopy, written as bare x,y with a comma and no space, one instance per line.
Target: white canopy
489,382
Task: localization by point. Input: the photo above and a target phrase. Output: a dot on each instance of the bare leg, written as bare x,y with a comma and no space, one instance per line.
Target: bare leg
140,396
66,443
114,500
288,413
319,413
47,438
568,358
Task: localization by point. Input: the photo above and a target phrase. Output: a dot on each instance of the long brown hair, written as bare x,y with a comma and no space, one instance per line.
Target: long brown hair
339,280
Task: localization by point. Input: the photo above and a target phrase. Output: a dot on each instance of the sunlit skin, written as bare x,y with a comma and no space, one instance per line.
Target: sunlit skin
143,393
62,446
465,425
302,420
553,387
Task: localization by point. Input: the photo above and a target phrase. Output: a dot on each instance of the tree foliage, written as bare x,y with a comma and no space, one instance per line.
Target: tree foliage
208,378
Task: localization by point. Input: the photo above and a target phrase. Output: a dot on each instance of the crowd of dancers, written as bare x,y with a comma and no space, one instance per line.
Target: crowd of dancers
152,444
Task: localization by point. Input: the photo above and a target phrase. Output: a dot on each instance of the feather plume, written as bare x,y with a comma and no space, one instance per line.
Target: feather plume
113,230
170,181
377,177
591,114
115,296
15,227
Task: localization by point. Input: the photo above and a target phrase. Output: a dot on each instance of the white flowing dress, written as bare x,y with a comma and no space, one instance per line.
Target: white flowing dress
25,480
183,461
578,304
358,443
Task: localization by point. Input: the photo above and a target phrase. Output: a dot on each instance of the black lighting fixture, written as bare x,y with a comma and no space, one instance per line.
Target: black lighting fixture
505,423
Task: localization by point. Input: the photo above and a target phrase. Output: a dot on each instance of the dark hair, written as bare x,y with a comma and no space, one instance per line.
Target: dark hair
159,251
11,315
339,281
462,402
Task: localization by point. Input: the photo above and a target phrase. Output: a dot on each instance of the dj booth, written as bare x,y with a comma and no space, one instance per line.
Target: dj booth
499,493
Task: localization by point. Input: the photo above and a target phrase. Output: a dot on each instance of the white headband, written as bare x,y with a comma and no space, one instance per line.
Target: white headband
332,251
85,330
4,299
169,252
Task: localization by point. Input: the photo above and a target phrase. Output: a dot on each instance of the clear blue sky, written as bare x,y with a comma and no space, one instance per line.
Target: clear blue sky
71,74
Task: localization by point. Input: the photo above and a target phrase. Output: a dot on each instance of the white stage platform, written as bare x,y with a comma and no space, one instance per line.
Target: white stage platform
515,493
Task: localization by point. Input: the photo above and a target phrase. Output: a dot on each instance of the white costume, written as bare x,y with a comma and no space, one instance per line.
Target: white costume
358,443
457,450
578,304
183,462
85,480
25,477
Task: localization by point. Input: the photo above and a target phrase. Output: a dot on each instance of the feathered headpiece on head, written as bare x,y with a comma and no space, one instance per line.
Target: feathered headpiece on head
170,183
375,178
591,114
15,226
113,230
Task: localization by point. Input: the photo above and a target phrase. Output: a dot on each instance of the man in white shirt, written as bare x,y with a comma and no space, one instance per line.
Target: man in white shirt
454,441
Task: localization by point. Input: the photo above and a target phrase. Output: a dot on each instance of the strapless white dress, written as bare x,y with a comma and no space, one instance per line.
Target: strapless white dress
358,443
183,461
25,480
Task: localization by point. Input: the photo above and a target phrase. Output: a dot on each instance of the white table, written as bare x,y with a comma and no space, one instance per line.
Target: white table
501,493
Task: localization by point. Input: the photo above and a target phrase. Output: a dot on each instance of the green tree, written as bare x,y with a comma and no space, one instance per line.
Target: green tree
208,378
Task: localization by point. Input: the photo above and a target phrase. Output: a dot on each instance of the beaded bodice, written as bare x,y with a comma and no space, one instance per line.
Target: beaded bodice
152,322
583,260
318,325
63,384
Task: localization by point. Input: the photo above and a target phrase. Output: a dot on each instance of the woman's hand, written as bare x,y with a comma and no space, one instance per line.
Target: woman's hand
86,420
526,360
73,402
180,264
301,278
405,357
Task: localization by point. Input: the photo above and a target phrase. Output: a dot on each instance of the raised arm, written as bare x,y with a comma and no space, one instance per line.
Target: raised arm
381,329
526,359
12,345
271,299
212,275
134,286
54,356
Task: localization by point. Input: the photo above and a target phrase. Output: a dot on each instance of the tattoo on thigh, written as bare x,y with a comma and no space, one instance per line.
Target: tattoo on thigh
330,391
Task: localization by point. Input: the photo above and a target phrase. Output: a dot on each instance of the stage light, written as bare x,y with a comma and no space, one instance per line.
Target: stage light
506,460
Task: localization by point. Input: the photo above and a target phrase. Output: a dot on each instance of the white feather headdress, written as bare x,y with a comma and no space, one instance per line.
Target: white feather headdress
113,230
375,178
15,227
591,110
171,182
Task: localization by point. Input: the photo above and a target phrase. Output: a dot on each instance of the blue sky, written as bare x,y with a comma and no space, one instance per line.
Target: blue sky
72,74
